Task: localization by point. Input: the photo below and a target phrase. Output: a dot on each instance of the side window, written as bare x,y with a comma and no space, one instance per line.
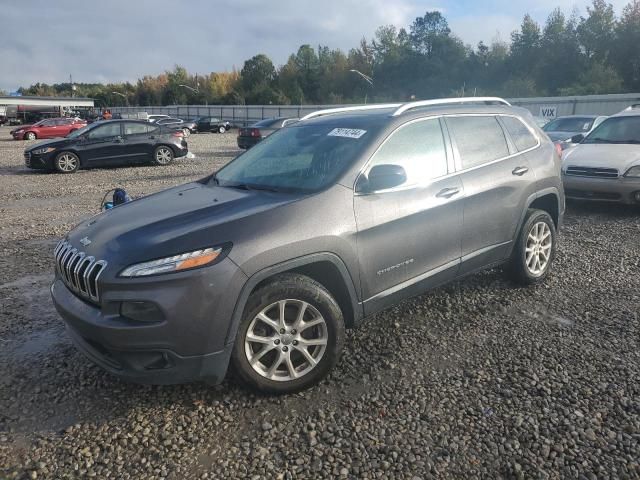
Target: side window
135,128
105,131
48,123
479,139
519,133
417,147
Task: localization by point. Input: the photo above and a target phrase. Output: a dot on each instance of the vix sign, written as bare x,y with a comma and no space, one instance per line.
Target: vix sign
549,111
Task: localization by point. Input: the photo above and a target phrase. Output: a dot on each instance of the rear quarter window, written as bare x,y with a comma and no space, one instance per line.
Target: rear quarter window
519,133
479,139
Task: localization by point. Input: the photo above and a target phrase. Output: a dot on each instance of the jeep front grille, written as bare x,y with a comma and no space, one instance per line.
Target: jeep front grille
592,172
78,271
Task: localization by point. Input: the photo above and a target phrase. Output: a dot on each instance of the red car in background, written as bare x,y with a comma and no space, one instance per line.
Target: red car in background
48,128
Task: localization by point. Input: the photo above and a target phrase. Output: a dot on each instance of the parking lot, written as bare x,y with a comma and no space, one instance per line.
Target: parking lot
479,379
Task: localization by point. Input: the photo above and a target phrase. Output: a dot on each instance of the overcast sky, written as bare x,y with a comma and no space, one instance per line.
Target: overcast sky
119,40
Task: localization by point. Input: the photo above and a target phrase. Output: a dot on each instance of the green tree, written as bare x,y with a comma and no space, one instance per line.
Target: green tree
598,79
596,32
257,74
525,47
625,53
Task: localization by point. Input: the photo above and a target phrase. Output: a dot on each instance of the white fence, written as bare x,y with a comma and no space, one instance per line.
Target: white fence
241,115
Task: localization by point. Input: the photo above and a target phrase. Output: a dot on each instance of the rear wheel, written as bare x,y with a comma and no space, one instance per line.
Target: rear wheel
30,136
221,129
66,162
163,155
535,249
290,336
186,132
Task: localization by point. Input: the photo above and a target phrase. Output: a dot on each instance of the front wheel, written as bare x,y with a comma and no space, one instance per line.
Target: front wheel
186,132
163,155
535,249
66,162
30,136
221,129
290,336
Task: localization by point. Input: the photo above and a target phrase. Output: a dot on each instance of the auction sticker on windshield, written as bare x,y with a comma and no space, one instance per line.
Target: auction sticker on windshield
346,132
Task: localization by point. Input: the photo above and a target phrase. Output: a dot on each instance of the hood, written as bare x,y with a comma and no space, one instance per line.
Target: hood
21,127
177,220
561,136
620,157
56,142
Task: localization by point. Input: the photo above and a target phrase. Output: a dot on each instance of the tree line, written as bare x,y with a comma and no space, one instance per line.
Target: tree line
569,55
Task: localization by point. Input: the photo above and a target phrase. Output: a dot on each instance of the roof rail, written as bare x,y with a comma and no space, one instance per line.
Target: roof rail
331,111
448,101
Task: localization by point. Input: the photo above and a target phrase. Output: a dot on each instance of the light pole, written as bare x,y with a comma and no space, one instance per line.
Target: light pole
123,96
366,78
194,90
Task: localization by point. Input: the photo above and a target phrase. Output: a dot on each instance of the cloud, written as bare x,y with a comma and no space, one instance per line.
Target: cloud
120,40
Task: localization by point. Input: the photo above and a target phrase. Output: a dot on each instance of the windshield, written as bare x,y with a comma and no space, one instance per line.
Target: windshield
573,124
616,130
299,159
80,131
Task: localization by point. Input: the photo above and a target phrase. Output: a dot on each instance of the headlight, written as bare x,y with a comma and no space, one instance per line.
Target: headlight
633,172
175,263
19,131
41,151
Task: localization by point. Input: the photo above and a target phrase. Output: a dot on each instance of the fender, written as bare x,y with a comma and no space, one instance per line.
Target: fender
532,198
261,275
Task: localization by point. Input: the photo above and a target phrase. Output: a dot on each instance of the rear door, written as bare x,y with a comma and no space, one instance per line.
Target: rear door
409,236
497,181
103,145
138,145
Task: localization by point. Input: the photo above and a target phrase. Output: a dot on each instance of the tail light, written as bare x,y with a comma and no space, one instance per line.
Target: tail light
558,149
255,132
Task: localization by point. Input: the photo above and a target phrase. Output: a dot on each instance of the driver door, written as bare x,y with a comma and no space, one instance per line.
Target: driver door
103,145
409,236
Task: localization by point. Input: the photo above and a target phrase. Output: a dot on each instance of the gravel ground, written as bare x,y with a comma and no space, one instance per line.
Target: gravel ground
479,379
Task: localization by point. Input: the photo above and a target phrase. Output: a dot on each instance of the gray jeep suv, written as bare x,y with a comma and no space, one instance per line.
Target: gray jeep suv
264,264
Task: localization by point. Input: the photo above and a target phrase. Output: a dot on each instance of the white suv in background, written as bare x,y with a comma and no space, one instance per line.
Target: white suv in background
606,164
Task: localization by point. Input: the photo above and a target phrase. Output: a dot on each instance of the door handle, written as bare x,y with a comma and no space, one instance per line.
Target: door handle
447,192
519,171
118,140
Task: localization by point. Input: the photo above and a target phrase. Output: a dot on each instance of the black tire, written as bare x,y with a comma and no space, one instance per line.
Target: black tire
186,132
66,162
163,155
30,136
519,268
221,129
292,290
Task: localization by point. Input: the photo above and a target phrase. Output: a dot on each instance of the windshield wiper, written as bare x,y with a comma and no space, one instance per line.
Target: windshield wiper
247,186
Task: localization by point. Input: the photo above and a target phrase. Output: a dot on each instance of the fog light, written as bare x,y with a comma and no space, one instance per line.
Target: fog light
141,312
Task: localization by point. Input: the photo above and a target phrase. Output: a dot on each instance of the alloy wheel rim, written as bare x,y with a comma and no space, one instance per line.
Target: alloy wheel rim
163,155
286,340
538,249
67,163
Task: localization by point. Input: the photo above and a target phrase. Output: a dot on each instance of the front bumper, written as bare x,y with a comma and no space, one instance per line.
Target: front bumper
617,190
187,343
39,162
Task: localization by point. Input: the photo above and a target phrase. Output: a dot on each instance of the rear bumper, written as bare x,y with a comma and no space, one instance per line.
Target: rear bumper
616,190
248,142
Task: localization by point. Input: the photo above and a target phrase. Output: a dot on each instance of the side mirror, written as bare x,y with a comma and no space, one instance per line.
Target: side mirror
382,177
577,138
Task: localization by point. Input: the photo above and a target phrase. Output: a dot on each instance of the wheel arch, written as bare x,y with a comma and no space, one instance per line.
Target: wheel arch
326,268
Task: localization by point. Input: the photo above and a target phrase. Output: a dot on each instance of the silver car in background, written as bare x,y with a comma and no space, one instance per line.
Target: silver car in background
566,131
606,165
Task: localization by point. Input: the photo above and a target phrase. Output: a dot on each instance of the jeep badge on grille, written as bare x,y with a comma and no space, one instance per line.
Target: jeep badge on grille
85,241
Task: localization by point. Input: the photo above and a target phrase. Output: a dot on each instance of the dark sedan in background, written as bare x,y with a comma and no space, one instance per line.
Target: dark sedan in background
212,124
562,129
187,126
106,144
249,136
